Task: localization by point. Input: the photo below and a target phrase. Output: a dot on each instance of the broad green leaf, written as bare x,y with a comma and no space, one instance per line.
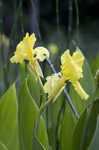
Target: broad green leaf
67,128
3,147
85,127
34,87
28,112
23,70
36,144
95,64
54,117
70,121
94,145
9,120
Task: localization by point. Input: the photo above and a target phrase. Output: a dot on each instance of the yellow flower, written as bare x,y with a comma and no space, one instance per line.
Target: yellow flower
41,53
71,66
25,51
54,85
71,70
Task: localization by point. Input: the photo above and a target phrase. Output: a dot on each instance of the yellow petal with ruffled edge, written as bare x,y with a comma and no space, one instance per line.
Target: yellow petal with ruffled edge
78,58
54,86
41,53
69,68
24,50
16,59
80,90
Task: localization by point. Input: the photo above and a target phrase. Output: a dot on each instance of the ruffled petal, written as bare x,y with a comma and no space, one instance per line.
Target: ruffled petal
24,50
41,53
80,90
78,58
69,68
16,59
54,86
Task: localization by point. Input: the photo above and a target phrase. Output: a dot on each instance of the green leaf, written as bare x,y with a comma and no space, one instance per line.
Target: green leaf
94,145
34,87
95,64
36,144
23,70
3,147
85,127
28,112
67,128
54,116
70,121
9,120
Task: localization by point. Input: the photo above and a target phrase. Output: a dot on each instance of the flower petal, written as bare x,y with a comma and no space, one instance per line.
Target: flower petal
53,86
24,50
16,59
36,69
80,90
69,68
41,53
78,58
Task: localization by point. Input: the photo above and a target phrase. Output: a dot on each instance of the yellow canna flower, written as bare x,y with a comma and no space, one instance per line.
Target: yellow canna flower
71,70
25,51
54,85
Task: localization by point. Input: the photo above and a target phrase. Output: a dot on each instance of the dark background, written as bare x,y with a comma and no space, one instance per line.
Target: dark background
39,16
57,27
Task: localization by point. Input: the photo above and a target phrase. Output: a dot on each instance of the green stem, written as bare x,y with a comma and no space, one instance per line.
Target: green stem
77,19
70,9
42,108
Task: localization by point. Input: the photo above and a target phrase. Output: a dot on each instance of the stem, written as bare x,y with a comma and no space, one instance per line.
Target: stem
70,103
77,18
65,91
42,108
70,9
37,124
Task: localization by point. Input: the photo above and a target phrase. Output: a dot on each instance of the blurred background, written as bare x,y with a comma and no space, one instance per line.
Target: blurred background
58,25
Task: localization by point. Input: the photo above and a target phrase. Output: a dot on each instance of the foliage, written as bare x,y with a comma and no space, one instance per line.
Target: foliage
58,127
